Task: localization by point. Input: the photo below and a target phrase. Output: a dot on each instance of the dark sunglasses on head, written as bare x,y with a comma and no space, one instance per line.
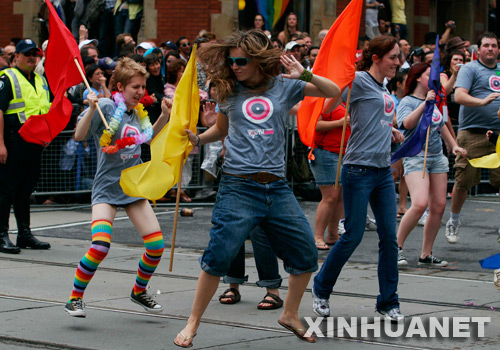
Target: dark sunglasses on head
31,54
240,61
185,44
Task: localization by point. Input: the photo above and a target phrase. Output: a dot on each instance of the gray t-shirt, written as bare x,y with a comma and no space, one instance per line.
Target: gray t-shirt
371,15
256,136
407,105
106,187
372,112
480,81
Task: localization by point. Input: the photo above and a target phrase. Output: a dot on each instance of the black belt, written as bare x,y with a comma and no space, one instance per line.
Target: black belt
261,177
477,130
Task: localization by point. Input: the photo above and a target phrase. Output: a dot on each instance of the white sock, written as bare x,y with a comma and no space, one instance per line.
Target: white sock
454,218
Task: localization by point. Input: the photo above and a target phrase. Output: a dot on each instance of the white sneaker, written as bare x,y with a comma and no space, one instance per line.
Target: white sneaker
423,218
341,227
371,224
75,308
496,278
393,315
452,232
401,258
321,307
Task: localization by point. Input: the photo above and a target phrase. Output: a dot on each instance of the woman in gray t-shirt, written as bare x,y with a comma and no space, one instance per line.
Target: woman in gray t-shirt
367,178
255,100
430,189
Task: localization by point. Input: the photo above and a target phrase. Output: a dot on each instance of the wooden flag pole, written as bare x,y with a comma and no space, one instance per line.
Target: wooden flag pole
426,148
176,215
88,87
344,127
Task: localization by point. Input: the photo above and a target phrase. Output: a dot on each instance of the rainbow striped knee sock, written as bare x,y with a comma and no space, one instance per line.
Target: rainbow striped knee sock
101,241
149,261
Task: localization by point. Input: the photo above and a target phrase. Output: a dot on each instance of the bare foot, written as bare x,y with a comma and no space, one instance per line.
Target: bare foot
183,339
331,239
294,325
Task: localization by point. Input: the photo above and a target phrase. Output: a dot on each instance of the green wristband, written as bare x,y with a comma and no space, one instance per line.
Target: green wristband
306,75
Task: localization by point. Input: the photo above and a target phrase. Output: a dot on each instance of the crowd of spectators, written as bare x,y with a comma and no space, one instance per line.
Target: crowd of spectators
109,31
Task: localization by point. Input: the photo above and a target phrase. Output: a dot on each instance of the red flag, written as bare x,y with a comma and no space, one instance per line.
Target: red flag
62,73
474,55
335,61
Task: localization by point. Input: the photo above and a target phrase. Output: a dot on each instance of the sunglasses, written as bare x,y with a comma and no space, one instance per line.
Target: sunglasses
31,54
186,44
240,61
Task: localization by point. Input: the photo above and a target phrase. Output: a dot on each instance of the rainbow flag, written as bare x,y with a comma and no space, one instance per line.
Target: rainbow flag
272,10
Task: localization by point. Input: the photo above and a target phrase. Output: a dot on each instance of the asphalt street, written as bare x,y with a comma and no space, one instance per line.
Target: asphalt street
35,285
480,221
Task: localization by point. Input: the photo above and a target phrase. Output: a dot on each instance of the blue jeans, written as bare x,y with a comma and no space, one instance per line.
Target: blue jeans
244,204
362,185
265,261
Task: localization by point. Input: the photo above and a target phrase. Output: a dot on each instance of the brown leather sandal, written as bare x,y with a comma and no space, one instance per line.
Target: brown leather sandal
235,298
276,302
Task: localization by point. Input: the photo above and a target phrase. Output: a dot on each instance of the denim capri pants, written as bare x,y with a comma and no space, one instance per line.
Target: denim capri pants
243,204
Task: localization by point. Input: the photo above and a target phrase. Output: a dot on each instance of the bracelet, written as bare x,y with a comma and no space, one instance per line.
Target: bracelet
198,143
306,76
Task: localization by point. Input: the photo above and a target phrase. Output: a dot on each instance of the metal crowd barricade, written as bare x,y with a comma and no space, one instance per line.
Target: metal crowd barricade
67,171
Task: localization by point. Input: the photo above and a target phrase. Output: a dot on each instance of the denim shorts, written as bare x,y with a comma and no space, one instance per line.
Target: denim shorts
324,166
435,164
244,204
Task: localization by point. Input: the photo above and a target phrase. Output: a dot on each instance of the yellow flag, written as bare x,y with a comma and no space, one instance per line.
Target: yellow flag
491,161
170,148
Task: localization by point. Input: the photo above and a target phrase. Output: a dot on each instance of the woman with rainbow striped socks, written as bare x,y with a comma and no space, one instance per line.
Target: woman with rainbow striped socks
129,127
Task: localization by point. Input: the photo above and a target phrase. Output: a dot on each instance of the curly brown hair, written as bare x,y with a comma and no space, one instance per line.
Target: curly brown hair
256,46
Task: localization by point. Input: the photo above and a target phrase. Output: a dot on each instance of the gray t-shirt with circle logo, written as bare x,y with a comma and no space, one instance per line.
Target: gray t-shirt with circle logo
480,81
257,124
372,111
106,186
407,105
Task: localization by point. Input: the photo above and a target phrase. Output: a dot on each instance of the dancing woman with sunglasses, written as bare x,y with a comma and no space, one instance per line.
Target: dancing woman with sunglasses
254,103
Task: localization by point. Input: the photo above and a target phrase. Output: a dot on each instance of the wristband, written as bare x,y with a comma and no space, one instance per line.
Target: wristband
197,143
306,76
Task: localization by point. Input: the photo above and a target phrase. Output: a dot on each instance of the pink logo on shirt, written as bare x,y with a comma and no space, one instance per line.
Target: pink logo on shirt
494,83
436,116
257,109
389,105
129,130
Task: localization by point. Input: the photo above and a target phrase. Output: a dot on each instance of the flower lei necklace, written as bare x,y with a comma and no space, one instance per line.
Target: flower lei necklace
114,124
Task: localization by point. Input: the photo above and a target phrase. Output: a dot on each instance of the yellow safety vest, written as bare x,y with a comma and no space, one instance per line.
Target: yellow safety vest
27,101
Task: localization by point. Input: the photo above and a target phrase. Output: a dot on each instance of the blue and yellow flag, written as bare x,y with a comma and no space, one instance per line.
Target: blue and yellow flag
415,144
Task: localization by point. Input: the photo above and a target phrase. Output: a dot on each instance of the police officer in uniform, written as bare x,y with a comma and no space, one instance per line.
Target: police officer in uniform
23,93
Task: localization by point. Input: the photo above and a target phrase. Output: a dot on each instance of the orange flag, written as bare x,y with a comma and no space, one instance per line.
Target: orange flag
335,61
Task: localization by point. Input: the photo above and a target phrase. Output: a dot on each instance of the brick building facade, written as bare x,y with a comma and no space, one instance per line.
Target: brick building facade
173,18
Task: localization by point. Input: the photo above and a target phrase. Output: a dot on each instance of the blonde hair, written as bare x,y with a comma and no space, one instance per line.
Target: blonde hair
256,45
126,69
